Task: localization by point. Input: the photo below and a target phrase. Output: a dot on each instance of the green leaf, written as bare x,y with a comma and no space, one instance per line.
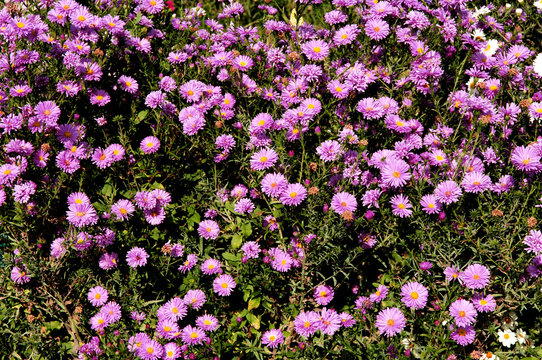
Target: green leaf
53,325
107,190
236,241
254,303
247,230
254,320
230,257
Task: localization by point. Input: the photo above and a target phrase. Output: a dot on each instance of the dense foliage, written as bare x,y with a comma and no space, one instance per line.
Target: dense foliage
313,179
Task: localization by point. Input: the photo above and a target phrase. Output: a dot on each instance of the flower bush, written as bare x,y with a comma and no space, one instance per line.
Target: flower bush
311,179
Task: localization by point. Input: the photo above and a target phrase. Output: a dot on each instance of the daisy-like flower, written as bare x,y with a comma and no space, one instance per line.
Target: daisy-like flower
507,337
537,63
305,323
535,109
475,276
484,303
377,29
194,299
463,312
490,48
137,257
282,261
261,122
390,322
464,335
525,158
153,6
251,249
122,209
149,145
150,350
345,35
323,294
175,309
379,295
190,262
329,321
272,338
128,84
224,285
99,97
293,194
395,173
451,273
521,336
430,204
534,242
243,62
97,296
414,295
401,206
347,320
207,322
263,159
475,182
208,229
315,49
172,351
448,192
329,150
344,201
211,266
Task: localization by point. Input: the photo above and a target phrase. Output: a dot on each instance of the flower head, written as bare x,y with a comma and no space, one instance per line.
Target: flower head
390,321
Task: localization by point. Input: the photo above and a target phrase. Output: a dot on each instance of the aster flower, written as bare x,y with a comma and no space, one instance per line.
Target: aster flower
149,145
112,310
484,303
525,158
305,323
401,206
136,257
19,275
196,298
329,321
430,204
448,192
282,261
534,242
128,84
150,350
475,182
390,322
175,309
414,295
251,249
244,206
347,320
395,173
122,209
223,285
315,49
207,322
81,215
263,159
323,294
475,276
342,202
463,312
108,261
272,338
208,229
211,266
464,335
293,194
380,294
97,296
329,150
377,29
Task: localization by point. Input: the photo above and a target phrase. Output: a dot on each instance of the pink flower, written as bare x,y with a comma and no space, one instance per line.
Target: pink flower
224,285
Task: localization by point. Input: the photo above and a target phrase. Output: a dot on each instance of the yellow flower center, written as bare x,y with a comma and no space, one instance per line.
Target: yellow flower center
414,295
194,335
377,29
323,294
293,195
401,206
396,174
20,25
391,322
483,302
224,285
462,313
506,336
99,97
153,3
317,49
338,89
263,159
81,18
306,324
243,63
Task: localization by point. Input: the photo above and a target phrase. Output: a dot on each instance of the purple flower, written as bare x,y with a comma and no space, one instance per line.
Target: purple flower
463,312
196,298
305,323
251,249
475,276
315,49
464,335
451,273
19,276
97,296
395,173
224,285
526,158
122,209
390,321
430,204
323,294
377,29
448,192
136,257
380,294
414,295
208,229
342,202
293,194
401,206
263,159
484,303
272,338
274,184
150,145
207,322
534,242
211,266
475,182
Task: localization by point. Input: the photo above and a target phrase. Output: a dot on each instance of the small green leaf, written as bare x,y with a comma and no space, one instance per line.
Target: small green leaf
236,241
254,303
230,257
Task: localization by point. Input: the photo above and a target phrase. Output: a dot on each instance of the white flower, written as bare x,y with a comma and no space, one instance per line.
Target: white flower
482,11
507,337
491,47
522,336
538,4
478,34
537,64
489,356
519,11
